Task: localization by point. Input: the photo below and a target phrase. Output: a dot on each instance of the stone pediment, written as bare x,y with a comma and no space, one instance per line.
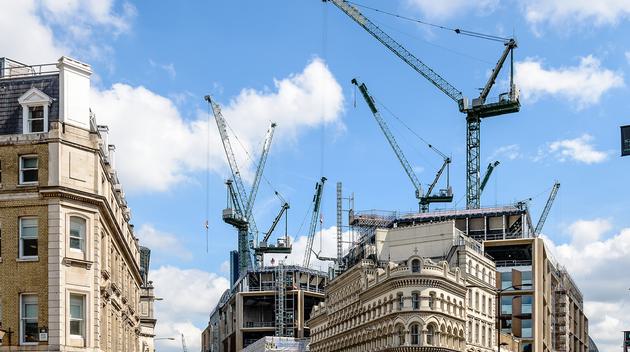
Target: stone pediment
34,96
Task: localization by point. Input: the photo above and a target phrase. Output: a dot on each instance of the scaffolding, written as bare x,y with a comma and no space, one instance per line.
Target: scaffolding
284,304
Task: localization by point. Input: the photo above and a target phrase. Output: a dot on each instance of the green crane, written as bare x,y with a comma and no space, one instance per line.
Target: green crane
476,110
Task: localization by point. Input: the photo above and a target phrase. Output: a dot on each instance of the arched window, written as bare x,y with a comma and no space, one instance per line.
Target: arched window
77,233
415,266
477,270
415,300
431,335
415,334
400,330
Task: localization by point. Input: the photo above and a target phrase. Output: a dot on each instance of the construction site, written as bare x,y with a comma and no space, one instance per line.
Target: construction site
529,302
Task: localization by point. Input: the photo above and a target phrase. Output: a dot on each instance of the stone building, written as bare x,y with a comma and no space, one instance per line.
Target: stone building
69,260
426,286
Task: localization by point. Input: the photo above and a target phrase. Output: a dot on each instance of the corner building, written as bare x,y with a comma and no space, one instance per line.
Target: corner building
425,287
69,261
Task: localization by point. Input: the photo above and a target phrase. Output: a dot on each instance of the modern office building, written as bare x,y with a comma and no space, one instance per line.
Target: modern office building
69,260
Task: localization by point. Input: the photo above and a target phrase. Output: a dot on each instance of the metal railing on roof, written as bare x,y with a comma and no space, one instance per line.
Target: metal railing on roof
14,69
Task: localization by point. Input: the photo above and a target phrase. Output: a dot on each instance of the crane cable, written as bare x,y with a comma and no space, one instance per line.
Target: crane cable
456,30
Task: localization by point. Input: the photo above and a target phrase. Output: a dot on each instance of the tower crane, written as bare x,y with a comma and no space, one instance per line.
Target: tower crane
545,213
480,107
184,348
317,199
486,177
424,200
240,205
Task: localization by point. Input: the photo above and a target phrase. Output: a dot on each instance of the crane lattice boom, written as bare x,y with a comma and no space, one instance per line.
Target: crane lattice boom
545,213
317,198
400,51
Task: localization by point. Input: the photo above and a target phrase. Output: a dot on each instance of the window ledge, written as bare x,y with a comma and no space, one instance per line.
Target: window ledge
76,262
26,185
27,259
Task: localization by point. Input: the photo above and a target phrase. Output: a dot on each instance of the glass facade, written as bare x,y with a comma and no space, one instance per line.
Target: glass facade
526,328
526,304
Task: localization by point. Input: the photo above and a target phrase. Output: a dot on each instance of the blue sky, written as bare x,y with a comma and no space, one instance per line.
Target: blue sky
292,62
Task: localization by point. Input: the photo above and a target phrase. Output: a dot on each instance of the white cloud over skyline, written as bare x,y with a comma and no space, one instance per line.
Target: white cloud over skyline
596,261
152,160
580,149
583,85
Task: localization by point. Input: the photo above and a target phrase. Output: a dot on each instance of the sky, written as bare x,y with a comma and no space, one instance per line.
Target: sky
291,62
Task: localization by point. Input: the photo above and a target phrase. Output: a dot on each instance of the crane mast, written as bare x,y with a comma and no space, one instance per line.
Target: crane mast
184,348
507,103
317,198
545,213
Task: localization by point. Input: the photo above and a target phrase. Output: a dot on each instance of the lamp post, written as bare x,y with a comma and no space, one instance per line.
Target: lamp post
7,332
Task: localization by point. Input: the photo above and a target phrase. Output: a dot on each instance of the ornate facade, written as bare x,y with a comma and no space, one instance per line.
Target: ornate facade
415,305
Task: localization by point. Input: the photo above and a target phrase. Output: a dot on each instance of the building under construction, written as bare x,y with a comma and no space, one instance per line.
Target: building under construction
270,301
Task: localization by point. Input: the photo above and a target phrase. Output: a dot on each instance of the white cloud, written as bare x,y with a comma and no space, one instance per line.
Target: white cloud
582,85
448,9
563,13
34,44
166,244
158,148
598,264
54,28
579,149
509,152
189,296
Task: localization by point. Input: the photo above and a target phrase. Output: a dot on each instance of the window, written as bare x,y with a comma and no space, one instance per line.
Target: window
430,335
28,237
415,300
526,328
470,299
415,266
77,315
506,279
28,319
470,332
35,122
506,305
483,335
0,172
477,333
490,306
476,300
483,304
526,279
432,300
77,233
526,305
28,169
401,301
415,334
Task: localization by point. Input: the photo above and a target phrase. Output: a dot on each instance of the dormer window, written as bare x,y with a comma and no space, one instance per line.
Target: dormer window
35,105
35,121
